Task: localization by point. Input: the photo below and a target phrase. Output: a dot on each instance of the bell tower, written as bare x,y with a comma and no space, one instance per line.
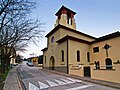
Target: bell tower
65,17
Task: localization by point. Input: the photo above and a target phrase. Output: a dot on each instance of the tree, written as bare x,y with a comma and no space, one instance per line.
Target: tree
17,30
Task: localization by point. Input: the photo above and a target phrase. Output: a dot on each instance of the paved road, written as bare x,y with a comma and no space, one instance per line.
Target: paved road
35,78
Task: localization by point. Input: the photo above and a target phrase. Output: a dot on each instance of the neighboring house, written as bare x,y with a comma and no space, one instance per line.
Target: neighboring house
12,56
74,52
34,60
8,52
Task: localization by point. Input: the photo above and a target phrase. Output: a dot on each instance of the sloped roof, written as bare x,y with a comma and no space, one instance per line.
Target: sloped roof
44,49
69,29
72,38
107,37
63,7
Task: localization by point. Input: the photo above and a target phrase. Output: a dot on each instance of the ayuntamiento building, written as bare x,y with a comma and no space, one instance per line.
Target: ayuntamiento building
74,52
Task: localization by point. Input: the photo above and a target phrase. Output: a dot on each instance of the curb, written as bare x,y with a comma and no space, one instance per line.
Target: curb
21,84
12,81
100,82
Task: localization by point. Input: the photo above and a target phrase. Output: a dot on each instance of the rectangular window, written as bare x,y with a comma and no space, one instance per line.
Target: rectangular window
88,56
96,49
69,19
62,56
78,56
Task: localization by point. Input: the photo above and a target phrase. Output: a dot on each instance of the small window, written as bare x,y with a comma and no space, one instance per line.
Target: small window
78,55
62,56
69,19
52,39
96,49
88,56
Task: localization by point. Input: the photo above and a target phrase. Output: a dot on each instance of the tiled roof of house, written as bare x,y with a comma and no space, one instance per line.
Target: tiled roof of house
63,7
107,37
44,49
72,38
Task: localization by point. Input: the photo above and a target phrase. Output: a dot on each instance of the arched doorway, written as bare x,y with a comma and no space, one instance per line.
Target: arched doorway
52,63
108,63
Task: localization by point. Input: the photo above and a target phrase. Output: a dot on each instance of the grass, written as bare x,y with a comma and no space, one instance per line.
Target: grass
2,79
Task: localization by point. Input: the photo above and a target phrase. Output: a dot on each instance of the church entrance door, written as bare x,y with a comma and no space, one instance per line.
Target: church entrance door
52,63
87,72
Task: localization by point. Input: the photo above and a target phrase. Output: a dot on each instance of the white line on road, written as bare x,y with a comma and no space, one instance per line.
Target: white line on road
81,87
67,81
60,82
33,87
74,80
52,84
42,85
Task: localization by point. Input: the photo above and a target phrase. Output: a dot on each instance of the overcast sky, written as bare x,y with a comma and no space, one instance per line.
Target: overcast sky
93,17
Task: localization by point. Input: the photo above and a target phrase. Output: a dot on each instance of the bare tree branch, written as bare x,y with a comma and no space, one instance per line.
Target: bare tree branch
17,30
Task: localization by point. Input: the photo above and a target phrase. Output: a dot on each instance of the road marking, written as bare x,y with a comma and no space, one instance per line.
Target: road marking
52,84
42,85
33,87
60,82
67,81
81,87
74,80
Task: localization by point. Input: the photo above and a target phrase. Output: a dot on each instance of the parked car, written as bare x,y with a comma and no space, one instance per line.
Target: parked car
13,65
30,64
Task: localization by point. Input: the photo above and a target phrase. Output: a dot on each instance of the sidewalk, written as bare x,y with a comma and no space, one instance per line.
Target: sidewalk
12,81
101,82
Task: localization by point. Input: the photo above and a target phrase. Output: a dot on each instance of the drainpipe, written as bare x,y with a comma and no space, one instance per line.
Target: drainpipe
67,59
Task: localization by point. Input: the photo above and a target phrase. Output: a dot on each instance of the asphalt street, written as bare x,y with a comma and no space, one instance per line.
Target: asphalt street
35,78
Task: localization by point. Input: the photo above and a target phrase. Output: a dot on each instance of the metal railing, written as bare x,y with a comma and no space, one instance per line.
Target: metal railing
104,67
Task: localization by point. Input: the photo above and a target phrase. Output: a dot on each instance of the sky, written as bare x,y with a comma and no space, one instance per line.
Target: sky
94,17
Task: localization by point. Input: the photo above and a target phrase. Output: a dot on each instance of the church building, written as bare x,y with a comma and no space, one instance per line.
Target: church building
73,52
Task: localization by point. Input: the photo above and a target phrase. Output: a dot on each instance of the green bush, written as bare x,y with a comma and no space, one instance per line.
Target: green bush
2,79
